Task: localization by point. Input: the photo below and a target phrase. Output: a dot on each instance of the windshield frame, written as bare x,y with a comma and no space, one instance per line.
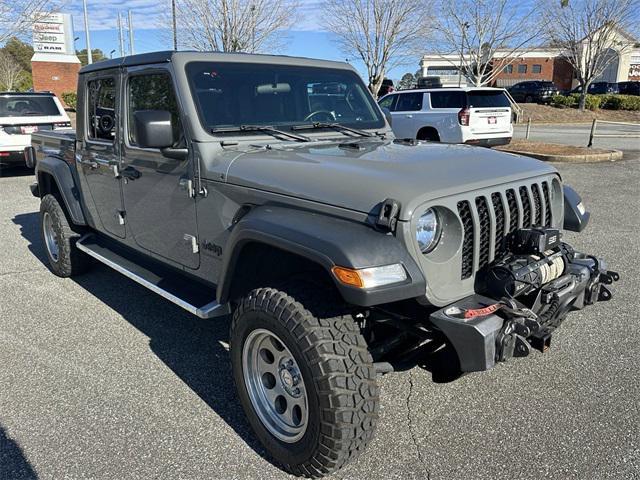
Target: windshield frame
378,123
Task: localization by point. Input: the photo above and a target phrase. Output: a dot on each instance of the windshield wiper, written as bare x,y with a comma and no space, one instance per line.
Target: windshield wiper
335,126
262,129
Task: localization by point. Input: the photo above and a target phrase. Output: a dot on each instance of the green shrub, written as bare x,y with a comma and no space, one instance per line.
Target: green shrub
563,101
592,102
70,99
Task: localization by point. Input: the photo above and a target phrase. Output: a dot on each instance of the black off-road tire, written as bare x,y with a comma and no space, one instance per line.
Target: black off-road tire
337,370
70,261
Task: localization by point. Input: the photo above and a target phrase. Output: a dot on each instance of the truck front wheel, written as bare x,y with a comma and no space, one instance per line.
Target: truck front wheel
305,380
58,238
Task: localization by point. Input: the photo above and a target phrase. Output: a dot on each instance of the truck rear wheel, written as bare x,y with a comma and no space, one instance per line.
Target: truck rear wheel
59,238
305,380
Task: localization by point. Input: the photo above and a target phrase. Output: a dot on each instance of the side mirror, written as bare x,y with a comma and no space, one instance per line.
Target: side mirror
576,217
387,115
153,128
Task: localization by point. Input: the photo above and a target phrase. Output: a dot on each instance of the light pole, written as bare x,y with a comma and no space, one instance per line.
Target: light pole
465,25
130,22
86,32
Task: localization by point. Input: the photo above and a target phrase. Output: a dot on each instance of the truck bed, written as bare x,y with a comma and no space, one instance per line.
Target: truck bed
56,143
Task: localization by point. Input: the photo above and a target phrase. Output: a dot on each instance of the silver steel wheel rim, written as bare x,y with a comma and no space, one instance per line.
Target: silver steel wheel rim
50,238
275,386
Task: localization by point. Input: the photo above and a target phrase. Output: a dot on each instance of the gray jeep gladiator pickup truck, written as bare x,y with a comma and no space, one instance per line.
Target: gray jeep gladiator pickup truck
272,189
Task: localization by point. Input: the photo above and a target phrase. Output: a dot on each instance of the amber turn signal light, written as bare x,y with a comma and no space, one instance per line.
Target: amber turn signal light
348,276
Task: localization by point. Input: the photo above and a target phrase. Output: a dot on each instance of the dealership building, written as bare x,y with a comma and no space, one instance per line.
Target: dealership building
543,63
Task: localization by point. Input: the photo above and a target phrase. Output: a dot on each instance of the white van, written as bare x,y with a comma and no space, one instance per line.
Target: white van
474,115
22,114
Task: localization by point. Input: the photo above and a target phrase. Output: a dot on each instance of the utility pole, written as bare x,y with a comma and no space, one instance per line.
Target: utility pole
86,32
175,30
120,35
131,47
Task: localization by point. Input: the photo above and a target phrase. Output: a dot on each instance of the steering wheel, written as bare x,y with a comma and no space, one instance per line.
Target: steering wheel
106,123
330,115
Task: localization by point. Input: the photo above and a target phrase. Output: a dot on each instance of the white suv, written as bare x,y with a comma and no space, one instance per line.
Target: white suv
22,114
480,116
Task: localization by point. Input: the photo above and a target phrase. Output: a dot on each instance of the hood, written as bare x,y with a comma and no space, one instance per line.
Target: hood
359,175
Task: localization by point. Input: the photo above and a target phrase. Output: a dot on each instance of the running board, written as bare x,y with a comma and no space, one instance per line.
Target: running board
92,246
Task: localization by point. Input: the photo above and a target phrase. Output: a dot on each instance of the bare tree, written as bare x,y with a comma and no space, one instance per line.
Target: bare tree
16,17
381,33
485,35
234,25
591,34
10,72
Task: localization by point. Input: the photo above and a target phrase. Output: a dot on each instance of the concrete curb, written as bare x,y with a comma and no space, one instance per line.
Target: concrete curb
608,156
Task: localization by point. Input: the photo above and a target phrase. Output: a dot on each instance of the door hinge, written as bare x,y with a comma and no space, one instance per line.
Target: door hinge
194,242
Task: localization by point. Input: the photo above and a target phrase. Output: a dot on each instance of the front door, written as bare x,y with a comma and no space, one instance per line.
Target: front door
160,205
98,153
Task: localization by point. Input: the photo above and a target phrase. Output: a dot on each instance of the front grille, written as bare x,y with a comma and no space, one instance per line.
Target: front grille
485,230
499,239
464,210
538,204
526,207
496,216
547,204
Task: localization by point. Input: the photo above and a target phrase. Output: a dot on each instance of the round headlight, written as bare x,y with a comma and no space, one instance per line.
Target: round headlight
428,230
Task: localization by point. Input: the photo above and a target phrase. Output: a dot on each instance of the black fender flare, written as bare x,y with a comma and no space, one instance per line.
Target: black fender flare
61,174
327,241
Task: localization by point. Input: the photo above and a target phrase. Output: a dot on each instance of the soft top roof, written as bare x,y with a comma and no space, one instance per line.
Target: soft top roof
187,56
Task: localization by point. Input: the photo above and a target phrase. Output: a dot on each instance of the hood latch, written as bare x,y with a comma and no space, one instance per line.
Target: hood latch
388,216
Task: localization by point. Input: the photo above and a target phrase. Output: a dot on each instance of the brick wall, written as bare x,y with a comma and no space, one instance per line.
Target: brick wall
56,77
546,70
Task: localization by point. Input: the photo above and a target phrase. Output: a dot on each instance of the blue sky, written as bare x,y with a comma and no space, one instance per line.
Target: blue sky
309,39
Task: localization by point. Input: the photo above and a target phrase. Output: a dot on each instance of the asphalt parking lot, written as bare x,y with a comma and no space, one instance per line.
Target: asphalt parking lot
102,379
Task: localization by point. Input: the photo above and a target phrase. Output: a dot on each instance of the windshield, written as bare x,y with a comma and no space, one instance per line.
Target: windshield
230,95
487,98
27,105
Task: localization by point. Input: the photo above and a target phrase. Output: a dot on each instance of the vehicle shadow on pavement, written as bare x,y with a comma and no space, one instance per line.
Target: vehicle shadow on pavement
194,349
13,463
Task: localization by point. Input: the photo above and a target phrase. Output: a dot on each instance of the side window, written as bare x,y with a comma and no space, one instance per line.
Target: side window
448,99
409,102
153,92
101,109
388,102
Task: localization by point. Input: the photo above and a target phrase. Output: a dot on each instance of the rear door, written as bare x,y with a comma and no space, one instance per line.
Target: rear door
98,153
406,114
489,111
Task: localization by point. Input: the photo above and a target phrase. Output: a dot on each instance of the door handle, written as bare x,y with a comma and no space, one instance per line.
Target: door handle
408,116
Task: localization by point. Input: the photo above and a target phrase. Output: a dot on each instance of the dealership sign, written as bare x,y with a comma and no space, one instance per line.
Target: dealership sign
53,33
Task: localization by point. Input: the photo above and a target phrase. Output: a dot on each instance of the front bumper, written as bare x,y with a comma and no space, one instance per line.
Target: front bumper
485,330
